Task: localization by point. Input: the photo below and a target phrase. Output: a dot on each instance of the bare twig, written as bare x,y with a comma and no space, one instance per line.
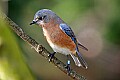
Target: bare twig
40,49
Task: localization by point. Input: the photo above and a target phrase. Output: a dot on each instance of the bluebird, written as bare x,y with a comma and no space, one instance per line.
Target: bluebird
60,36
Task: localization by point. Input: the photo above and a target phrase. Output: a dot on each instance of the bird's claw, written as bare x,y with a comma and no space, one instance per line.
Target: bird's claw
68,67
51,56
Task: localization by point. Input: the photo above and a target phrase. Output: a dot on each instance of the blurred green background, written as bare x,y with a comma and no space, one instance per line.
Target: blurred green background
96,24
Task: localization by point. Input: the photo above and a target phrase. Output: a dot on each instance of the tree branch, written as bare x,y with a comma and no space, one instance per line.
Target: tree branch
40,49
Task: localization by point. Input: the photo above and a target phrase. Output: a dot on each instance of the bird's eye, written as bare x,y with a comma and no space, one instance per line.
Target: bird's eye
40,18
44,16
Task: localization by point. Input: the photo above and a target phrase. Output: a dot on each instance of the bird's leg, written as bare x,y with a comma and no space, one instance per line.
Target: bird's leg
51,56
68,65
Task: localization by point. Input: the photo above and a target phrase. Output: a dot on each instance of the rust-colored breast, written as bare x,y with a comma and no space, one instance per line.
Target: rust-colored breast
55,35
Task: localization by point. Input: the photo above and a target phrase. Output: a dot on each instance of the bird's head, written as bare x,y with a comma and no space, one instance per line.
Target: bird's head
43,16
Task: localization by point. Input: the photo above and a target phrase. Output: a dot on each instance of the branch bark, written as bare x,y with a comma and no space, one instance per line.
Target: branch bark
40,49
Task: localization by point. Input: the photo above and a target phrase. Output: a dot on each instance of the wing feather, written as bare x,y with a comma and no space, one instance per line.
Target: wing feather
67,30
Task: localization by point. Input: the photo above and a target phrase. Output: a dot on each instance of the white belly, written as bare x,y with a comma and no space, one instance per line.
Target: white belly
59,49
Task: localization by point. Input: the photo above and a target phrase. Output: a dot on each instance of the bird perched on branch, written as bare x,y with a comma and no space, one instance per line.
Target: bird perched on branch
60,36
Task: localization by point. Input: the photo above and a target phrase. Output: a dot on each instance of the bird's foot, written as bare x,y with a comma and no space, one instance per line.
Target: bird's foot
68,67
51,56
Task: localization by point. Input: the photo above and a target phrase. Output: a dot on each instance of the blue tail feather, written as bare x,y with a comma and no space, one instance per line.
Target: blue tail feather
82,61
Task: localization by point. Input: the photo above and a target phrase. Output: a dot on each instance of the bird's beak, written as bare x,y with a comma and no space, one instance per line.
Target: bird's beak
33,22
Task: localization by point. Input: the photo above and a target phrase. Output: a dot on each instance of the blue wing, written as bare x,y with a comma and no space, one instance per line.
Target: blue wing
66,29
